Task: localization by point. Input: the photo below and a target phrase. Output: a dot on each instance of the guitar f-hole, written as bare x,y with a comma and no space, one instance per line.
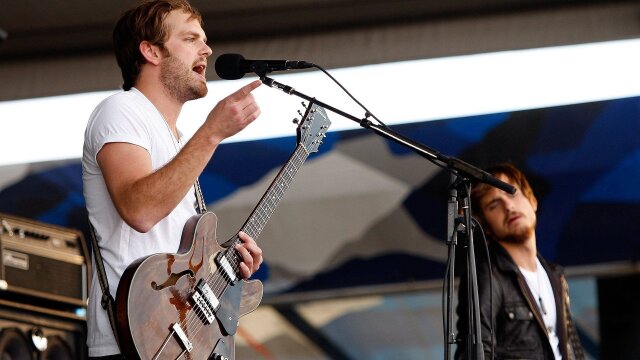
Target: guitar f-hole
171,280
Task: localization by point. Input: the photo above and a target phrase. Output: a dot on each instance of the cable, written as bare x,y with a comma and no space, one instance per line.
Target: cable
367,112
446,304
437,162
486,248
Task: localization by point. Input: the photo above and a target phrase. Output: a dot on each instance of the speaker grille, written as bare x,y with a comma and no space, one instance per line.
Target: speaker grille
46,276
42,264
66,338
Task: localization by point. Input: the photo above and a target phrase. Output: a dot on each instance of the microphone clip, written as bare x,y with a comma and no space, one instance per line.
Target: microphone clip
260,68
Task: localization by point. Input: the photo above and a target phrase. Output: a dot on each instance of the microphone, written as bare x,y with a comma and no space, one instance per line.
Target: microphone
235,66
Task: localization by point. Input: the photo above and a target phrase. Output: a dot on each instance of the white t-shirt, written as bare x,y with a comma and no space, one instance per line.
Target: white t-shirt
125,117
542,291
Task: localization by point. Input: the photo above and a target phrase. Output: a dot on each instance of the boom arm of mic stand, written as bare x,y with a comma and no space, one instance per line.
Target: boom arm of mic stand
466,173
463,169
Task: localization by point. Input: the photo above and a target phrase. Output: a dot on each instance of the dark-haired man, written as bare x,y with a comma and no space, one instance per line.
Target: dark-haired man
529,307
138,172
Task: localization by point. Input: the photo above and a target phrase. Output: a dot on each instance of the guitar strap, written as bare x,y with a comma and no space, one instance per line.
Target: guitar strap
202,208
108,302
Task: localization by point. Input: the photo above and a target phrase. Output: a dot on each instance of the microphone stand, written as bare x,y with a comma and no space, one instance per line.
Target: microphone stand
459,212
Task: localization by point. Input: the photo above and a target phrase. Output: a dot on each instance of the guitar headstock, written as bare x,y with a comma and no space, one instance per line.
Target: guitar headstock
312,127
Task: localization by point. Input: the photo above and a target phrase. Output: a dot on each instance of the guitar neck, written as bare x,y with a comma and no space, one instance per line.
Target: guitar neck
270,200
311,131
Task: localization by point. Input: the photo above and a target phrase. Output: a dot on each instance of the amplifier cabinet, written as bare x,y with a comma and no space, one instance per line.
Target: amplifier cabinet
43,261
28,334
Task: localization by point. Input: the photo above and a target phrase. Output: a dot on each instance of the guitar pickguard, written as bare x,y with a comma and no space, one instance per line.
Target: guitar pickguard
228,314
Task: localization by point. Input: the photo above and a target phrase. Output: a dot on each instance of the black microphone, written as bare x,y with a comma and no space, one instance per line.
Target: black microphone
234,66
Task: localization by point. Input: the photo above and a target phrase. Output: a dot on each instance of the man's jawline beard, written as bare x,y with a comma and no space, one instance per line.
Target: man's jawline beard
519,237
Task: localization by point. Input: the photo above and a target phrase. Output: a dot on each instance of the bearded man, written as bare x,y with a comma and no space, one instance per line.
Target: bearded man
139,174
525,313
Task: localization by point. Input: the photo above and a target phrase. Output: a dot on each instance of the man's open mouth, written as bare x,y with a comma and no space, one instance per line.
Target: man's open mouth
200,69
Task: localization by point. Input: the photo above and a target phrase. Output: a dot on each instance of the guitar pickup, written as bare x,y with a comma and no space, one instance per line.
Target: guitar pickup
206,301
223,262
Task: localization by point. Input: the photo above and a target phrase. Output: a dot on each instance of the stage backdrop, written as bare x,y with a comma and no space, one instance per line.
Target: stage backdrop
365,211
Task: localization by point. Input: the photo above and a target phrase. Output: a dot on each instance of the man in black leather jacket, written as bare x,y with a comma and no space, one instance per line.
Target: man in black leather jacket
527,303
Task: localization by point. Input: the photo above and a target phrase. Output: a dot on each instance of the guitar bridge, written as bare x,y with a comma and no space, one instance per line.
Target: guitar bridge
184,340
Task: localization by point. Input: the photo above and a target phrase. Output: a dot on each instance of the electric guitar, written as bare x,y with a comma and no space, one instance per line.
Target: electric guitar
187,305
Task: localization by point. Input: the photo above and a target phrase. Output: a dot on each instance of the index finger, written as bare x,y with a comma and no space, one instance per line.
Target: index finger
245,237
245,90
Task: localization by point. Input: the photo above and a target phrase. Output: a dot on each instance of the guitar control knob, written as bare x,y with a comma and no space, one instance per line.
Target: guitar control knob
217,356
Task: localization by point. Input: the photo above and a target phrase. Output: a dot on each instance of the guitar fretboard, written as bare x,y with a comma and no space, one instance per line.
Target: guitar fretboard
269,201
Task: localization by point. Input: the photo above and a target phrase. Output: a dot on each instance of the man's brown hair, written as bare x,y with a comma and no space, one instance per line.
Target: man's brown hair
145,22
512,173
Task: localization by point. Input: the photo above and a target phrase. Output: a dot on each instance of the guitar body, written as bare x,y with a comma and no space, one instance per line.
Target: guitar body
156,292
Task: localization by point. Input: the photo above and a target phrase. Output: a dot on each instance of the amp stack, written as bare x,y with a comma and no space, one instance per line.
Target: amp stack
44,283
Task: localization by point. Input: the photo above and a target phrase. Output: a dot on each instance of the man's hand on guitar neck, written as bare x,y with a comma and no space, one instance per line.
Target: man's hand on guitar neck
251,255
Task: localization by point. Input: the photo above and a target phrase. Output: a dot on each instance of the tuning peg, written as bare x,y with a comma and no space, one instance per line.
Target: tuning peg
299,112
303,104
296,120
